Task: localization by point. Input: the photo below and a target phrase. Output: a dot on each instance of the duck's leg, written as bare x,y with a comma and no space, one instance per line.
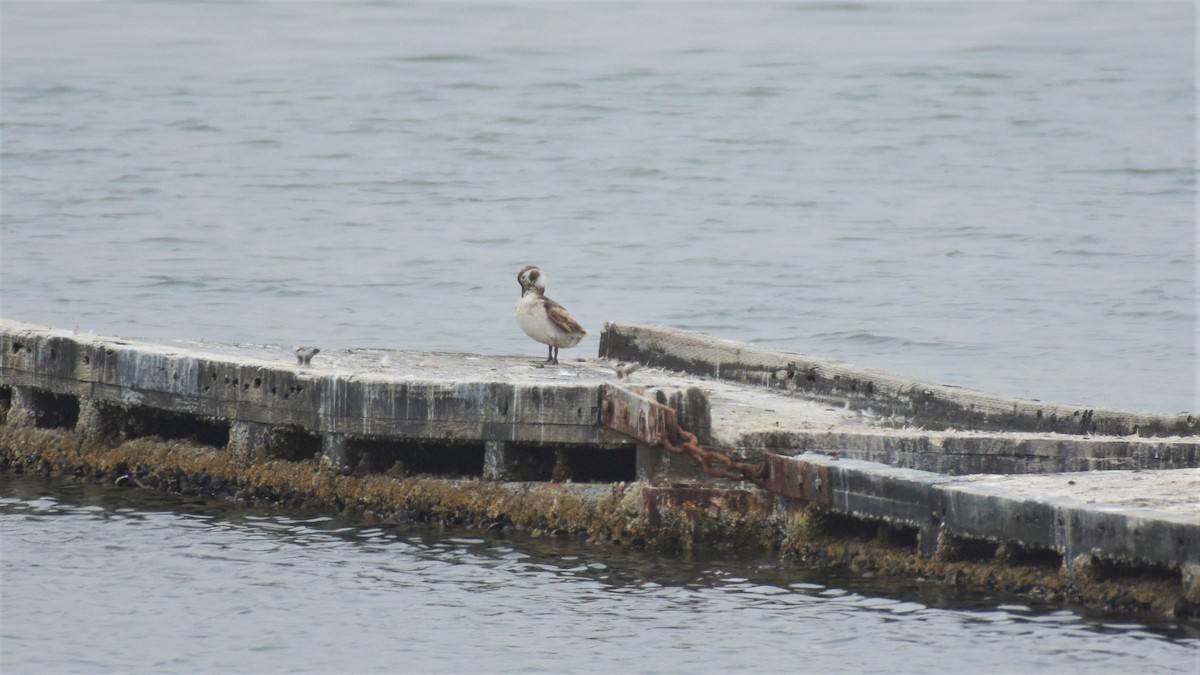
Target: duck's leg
550,355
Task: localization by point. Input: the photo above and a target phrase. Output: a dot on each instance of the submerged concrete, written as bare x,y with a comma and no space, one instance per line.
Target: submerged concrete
862,468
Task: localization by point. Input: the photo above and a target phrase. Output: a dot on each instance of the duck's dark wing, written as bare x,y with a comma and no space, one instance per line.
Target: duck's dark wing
559,317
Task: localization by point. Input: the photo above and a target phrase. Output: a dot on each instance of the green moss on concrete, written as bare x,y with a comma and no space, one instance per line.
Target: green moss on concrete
599,515
614,514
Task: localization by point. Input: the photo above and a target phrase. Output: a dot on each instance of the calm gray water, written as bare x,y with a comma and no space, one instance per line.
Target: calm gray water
106,580
999,195
995,195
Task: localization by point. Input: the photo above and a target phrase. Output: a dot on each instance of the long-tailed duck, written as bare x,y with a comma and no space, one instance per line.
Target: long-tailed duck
543,319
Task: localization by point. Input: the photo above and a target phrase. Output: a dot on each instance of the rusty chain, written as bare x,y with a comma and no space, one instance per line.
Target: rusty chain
680,441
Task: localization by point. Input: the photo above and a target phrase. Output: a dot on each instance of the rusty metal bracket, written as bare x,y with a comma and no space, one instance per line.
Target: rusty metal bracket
629,412
798,479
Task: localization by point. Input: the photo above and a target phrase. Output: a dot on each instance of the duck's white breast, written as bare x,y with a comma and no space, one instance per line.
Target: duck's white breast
532,318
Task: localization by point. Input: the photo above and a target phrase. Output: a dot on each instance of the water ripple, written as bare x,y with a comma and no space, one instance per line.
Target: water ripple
922,171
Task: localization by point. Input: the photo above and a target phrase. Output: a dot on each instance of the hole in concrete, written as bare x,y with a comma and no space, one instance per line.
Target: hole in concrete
5,403
962,549
536,462
1034,557
527,462
1106,570
141,421
412,458
832,524
602,465
293,444
901,536
55,411
17,347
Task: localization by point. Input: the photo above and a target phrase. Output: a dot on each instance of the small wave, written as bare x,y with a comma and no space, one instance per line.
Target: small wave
636,171
193,124
983,75
1167,314
122,215
164,281
986,49
876,339
583,107
294,291
495,241
55,89
1086,253
513,119
631,74
835,7
438,58
761,92
167,239
556,85
472,86
1149,171
288,186
919,74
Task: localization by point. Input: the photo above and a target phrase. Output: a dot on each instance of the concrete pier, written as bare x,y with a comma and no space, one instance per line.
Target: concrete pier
945,479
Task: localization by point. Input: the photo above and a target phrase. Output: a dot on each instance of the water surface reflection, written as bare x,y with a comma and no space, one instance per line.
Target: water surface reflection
143,581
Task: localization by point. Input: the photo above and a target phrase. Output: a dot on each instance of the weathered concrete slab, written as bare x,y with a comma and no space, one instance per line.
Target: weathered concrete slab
958,452
887,395
395,393
1150,517
853,443
1144,516
401,394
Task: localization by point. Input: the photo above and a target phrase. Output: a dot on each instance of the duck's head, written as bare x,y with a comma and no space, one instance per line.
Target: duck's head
531,277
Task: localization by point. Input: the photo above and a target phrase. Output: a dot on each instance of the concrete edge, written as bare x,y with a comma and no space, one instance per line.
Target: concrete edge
924,402
218,385
940,506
